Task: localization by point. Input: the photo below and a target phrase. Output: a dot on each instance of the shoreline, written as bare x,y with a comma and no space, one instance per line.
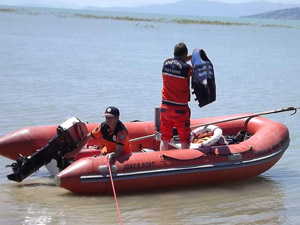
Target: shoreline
182,21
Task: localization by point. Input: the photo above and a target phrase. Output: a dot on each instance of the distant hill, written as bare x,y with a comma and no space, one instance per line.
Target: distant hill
211,8
206,8
285,14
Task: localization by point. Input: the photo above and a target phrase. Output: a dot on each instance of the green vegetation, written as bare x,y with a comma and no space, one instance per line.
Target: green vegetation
179,21
8,10
275,26
209,22
125,18
19,11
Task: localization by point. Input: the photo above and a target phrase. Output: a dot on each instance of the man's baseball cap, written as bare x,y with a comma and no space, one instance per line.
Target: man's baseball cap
111,111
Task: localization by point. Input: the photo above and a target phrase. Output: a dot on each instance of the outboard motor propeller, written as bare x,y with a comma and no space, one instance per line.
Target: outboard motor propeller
69,135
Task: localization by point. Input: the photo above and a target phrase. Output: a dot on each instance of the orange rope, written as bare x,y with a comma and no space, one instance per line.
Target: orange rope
113,187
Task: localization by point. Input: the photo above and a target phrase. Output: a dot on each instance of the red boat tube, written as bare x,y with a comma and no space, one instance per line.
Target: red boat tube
173,168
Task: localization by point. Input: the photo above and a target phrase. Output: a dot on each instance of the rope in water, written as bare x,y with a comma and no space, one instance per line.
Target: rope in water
113,188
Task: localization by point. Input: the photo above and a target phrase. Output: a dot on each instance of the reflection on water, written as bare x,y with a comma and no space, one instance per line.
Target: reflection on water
259,201
37,215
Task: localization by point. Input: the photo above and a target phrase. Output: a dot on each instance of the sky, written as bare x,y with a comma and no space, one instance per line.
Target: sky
110,3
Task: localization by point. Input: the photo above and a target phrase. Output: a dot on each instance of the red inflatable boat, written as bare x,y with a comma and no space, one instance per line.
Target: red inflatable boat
249,147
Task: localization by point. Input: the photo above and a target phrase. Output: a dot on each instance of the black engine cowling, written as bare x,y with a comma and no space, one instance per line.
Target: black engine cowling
69,135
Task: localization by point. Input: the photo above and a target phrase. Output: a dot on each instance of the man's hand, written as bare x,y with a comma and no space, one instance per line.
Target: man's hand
109,156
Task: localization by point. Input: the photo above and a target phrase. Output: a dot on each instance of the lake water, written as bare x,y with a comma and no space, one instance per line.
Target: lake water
55,65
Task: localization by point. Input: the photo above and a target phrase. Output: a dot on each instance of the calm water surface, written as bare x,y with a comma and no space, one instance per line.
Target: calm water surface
54,66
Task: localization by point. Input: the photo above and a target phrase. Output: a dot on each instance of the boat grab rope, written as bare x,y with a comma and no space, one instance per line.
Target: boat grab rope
252,115
295,109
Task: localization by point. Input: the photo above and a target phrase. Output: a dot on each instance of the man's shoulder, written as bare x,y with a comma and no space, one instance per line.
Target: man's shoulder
168,60
176,60
103,124
120,126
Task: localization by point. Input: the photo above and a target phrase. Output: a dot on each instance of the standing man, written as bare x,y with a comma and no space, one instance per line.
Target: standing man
174,111
114,134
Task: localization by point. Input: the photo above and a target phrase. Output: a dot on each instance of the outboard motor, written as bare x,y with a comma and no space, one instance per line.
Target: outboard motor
69,135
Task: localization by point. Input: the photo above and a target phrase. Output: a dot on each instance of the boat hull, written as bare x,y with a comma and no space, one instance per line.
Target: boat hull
156,169
177,168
